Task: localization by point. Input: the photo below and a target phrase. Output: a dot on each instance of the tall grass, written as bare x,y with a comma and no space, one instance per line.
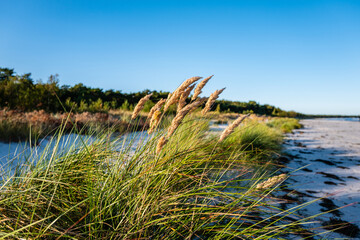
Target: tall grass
20,126
195,187
255,142
100,190
285,124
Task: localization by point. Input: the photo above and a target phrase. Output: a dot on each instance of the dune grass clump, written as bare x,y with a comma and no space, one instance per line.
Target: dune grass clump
257,142
130,188
286,125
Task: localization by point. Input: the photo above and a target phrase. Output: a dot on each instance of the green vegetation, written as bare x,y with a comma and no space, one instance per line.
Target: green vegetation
285,124
107,190
258,142
19,92
179,182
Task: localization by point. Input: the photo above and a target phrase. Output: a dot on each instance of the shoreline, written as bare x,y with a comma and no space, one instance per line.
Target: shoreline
325,163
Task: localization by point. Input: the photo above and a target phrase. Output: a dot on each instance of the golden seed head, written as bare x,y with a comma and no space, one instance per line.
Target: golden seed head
211,100
161,143
272,181
154,121
174,97
182,113
184,96
232,127
157,106
187,83
140,106
199,87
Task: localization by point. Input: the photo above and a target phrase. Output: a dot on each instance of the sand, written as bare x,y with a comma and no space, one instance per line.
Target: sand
324,161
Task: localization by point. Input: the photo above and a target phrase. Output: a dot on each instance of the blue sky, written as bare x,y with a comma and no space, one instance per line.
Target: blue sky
301,55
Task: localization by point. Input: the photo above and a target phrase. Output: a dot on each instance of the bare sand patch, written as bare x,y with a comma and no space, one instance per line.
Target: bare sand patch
326,157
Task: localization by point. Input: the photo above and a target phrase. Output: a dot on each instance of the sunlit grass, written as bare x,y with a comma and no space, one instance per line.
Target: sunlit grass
112,188
189,185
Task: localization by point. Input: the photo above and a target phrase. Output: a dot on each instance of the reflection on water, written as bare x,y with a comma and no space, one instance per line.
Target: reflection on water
13,154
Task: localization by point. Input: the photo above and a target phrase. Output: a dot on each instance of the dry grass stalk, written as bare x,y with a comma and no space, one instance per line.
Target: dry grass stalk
184,96
174,97
199,87
271,181
180,115
169,96
156,107
211,100
154,121
187,83
161,143
232,127
140,106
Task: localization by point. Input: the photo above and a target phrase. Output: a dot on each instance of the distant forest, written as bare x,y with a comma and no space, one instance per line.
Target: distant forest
19,92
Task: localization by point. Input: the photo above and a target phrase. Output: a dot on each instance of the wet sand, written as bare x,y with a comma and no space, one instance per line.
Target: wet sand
324,161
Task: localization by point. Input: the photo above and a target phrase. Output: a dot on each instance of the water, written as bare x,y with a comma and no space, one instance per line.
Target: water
16,153
348,119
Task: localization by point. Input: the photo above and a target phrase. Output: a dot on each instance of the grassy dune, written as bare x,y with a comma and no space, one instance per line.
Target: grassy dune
184,185
194,188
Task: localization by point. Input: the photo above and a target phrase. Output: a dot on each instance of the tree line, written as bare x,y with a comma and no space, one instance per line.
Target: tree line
20,92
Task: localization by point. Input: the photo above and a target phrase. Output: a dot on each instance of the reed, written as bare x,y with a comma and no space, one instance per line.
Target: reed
184,96
211,100
140,106
182,113
232,127
156,107
271,182
200,86
154,122
174,97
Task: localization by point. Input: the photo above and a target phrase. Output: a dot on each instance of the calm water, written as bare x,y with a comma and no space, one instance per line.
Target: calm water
15,153
342,119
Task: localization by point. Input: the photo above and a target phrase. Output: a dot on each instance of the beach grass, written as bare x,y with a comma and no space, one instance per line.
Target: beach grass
183,185
285,124
122,189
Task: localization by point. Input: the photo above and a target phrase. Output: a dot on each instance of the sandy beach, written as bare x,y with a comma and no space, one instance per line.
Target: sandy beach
324,161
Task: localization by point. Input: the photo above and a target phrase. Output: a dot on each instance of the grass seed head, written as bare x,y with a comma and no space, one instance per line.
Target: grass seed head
199,87
174,97
182,113
154,121
232,127
161,143
184,96
140,106
211,100
271,181
156,107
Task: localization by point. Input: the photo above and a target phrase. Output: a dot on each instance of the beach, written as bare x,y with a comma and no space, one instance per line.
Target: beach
323,159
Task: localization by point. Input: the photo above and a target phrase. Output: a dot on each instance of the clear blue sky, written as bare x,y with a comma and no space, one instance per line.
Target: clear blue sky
301,55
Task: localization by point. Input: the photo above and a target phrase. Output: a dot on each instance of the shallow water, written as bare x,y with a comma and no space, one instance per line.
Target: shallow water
16,153
352,119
